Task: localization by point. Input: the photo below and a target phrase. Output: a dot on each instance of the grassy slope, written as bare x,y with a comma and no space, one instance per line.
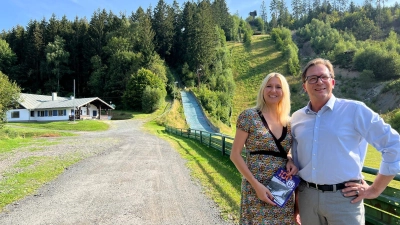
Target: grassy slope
251,65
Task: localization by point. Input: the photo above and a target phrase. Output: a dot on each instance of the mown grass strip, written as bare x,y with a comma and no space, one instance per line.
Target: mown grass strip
19,137
79,125
30,174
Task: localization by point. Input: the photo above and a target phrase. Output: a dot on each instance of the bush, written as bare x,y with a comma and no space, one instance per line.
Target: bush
151,99
367,74
393,85
133,94
384,64
283,40
394,120
217,104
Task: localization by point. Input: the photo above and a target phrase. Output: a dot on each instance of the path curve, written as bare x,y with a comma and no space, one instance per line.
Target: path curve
137,178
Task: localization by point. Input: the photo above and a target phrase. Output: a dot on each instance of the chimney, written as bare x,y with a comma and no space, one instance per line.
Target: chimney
54,96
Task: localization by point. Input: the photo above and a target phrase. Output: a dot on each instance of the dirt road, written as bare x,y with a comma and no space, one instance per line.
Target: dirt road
135,178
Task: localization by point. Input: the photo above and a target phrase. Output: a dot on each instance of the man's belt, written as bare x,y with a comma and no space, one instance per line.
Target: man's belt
329,187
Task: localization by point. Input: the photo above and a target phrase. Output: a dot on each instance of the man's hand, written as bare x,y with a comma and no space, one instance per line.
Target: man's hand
360,191
291,168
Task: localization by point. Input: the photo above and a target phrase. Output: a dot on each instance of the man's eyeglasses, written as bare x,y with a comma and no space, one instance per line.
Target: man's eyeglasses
314,78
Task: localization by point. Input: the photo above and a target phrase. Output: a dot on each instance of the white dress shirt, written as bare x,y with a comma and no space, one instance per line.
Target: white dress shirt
329,146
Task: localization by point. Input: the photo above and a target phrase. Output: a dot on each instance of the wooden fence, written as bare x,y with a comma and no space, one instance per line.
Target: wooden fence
383,210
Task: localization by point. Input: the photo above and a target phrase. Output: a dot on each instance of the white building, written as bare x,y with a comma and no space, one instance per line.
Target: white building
53,108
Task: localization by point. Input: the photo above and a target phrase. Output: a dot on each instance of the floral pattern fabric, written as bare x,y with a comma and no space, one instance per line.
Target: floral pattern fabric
252,210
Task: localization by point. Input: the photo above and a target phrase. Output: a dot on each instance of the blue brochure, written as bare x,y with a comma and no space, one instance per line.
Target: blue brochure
282,186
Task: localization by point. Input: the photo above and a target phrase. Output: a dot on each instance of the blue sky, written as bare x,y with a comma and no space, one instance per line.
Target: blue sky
21,11
16,12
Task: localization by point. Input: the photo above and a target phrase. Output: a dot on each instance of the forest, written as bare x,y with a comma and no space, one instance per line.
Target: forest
136,60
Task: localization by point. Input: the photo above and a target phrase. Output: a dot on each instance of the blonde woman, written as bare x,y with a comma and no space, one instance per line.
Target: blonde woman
265,131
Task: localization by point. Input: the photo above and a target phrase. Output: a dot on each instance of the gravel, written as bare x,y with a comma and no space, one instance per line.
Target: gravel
128,177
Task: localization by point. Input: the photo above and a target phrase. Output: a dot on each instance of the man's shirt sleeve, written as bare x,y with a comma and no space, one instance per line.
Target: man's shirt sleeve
380,135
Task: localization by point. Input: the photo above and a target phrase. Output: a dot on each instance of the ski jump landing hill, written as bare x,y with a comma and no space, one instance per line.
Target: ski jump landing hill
194,114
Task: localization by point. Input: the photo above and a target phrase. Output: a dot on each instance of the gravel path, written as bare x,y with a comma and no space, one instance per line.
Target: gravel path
132,177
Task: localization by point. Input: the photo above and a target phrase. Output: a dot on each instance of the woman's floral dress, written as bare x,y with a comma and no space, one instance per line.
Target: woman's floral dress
262,166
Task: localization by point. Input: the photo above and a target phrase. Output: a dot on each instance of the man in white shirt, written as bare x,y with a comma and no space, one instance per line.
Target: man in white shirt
331,136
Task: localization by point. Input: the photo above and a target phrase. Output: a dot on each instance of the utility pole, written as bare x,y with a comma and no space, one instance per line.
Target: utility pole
74,102
175,87
198,76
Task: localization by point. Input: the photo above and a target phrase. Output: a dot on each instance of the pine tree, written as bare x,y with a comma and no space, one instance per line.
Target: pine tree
176,50
205,37
163,26
34,55
145,45
56,57
97,32
264,15
220,13
79,58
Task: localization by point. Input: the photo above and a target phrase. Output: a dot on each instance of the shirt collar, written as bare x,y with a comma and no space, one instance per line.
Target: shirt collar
330,104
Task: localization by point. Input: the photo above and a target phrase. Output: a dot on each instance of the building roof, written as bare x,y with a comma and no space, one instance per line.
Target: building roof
32,101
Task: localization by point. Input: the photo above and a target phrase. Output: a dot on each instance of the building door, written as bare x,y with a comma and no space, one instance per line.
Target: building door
95,113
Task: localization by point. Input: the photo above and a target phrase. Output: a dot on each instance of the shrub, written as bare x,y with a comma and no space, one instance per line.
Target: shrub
133,94
151,99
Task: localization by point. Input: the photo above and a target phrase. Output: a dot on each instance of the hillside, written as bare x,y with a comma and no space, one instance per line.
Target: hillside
253,63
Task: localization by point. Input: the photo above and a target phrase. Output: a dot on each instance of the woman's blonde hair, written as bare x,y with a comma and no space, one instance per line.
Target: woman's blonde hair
283,105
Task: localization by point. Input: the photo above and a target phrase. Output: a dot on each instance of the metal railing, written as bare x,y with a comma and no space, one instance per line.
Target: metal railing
384,209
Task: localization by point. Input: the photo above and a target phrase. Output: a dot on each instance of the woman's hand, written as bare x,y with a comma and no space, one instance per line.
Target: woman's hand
264,194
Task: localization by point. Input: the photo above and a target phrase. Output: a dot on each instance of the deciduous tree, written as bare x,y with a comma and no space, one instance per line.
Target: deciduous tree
9,96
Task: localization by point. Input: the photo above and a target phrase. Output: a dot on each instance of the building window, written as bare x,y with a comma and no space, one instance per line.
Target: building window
32,113
50,113
40,113
61,113
15,114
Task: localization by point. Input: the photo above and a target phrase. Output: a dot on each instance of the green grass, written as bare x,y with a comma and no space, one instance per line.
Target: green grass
26,130
373,160
19,143
19,137
251,65
30,174
79,125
